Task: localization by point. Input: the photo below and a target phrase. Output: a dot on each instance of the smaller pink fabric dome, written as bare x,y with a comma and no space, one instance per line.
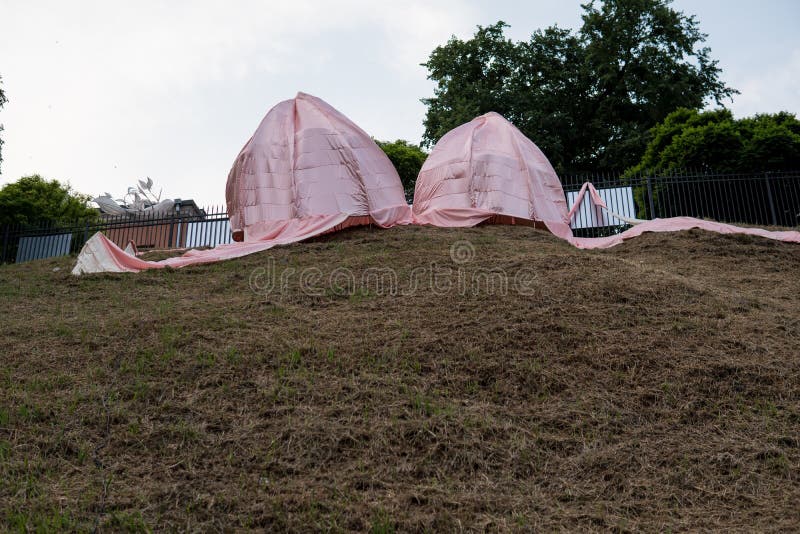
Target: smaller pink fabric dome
485,168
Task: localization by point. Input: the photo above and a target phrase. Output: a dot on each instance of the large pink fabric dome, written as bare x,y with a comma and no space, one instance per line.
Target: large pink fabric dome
488,168
305,161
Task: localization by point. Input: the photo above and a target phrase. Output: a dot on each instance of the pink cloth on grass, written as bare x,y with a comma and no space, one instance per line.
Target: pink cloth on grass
100,254
676,224
672,224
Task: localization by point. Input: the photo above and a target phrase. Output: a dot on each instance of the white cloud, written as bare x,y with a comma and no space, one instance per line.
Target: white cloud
102,93
770,89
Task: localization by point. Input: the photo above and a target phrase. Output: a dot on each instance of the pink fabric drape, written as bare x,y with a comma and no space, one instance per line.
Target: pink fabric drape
676,224
306,159
308,170
488,167
579,199
673,224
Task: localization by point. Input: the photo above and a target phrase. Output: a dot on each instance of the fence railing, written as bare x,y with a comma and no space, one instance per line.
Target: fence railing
149,231
763,199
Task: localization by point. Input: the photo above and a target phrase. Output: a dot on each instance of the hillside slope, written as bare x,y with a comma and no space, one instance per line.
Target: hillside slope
653,386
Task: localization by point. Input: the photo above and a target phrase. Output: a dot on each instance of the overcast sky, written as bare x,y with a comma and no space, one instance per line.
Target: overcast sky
103,93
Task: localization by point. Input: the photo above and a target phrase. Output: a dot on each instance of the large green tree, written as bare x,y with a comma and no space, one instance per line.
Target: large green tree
3,100
715,141
407,158
588,98
32,199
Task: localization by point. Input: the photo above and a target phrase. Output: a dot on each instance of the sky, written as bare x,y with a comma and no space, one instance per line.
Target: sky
103,93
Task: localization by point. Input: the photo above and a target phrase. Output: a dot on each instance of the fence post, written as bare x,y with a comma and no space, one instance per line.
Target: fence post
85,232
650,197
771,201
171,229
5,243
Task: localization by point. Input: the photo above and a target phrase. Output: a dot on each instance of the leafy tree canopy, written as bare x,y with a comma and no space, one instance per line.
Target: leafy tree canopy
32,199
715,141
407,158
589,97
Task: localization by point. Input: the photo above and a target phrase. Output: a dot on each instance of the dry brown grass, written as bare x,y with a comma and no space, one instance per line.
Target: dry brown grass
653,386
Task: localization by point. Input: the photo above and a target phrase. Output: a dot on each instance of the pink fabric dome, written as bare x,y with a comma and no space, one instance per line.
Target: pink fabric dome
305,161
487,168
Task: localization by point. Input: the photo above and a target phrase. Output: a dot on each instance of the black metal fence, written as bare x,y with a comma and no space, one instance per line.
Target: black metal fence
763,199
149,231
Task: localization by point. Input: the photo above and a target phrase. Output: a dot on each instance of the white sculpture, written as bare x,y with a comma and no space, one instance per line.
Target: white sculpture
138,200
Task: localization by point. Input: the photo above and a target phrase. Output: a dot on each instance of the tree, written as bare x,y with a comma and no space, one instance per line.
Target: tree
3,100
473,77
32,199
715,141
407,158
587,98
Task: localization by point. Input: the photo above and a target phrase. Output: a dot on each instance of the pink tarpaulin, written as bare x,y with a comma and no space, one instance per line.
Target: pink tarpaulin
579,199
488,167
100,254
305,160
676,224
306,170
672,224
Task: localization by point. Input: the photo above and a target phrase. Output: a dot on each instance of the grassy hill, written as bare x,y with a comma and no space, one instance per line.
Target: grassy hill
652,386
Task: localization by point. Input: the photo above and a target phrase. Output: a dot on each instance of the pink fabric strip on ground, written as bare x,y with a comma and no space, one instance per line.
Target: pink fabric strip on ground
676,224
284,232
295,230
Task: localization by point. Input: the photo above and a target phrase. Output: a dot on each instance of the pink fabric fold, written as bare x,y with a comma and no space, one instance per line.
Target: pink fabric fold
452,217
100,254
392,215
672,224
579,199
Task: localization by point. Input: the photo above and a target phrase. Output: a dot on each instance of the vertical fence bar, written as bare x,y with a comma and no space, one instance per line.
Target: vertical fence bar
650,197
694,198
758,203
166,231
41,250
757,215
726,201
771,201
37,243
780,194
6,231
793,185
